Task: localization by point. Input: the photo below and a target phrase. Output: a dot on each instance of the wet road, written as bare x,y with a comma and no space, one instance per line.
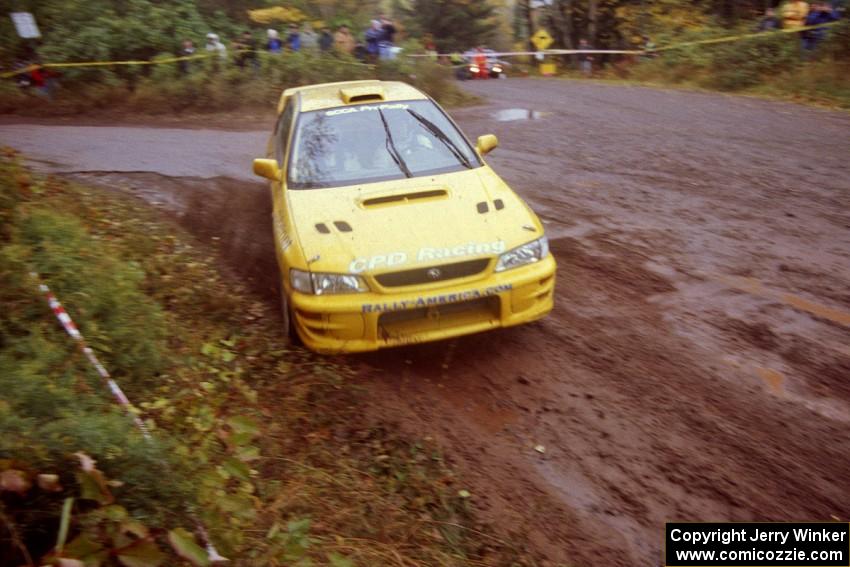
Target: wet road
166,151
697,364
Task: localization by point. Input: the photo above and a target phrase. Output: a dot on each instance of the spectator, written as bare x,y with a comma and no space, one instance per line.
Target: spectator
214,45
43,81
187,50
794,14
373,36
769,22
309,39
343,40
326,40
585,59
245,48
360,52
273,44
431,49
821,13
293,40
23,69
386,43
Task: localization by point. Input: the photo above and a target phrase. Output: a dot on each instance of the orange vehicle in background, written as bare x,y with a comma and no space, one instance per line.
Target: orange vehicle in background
480,60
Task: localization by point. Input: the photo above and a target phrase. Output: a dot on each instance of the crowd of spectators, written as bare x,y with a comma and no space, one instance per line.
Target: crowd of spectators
377,42
799,14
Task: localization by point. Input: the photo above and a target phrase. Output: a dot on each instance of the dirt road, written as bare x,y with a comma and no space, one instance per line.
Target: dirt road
697,363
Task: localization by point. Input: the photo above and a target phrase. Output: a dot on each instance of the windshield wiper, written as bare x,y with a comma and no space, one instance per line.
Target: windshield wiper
440,135
391,149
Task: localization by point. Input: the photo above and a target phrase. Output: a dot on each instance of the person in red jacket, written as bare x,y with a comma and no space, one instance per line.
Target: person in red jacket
480,60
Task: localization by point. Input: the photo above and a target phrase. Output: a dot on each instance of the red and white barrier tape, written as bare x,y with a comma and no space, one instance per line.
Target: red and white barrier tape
72,330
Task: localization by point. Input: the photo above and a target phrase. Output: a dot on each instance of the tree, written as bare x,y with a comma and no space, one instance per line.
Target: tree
455,25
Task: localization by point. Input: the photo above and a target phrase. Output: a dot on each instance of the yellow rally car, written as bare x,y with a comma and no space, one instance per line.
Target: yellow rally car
389,227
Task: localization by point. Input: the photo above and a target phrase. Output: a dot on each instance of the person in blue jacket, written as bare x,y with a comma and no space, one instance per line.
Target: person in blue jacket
273,45
821,13
293,40
374,36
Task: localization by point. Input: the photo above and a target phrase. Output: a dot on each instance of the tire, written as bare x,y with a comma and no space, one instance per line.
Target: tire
289,331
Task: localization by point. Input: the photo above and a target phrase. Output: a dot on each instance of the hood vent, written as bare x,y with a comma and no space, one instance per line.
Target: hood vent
371,92
340,225
406,197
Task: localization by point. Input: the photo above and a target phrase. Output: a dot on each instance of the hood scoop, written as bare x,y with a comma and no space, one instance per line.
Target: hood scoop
400,198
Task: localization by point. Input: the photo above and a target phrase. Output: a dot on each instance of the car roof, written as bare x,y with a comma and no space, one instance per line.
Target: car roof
333,95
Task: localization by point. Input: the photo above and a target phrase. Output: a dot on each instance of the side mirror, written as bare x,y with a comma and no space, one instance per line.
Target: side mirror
486,143
267,168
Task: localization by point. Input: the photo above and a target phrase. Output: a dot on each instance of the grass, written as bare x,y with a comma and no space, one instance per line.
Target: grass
264,442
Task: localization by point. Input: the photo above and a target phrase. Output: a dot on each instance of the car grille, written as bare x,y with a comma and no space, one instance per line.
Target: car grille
422,276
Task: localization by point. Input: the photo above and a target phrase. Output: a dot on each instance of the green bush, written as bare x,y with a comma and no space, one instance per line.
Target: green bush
740,64
770,63
837,43
215,85
100,289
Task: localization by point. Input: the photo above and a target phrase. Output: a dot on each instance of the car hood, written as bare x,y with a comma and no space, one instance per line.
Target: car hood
410,223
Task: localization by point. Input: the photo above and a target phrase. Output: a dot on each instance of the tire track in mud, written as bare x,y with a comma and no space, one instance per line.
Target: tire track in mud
638,427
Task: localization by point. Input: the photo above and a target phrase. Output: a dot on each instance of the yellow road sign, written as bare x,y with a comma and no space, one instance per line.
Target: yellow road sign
541,39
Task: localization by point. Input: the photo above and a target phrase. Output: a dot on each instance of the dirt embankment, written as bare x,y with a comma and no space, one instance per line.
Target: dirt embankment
696,366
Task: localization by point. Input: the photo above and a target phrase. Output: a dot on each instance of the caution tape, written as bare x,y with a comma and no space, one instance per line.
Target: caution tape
723,39
741,36
33,67
543,52
71,328
163,60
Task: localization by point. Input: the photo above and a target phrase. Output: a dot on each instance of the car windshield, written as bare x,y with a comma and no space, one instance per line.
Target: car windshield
375,142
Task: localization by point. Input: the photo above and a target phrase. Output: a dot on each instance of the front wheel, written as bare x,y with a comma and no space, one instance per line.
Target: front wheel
289,332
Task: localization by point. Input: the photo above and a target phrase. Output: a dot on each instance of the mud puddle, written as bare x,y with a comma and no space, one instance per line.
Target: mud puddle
513,114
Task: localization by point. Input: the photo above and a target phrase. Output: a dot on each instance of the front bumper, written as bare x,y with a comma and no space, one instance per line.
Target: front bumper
370,321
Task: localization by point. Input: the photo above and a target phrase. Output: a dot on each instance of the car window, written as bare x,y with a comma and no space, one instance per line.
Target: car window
375,142
281,130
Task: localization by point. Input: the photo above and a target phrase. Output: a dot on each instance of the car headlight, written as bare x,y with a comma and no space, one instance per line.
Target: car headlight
474,68
324,284
497,69
529,253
